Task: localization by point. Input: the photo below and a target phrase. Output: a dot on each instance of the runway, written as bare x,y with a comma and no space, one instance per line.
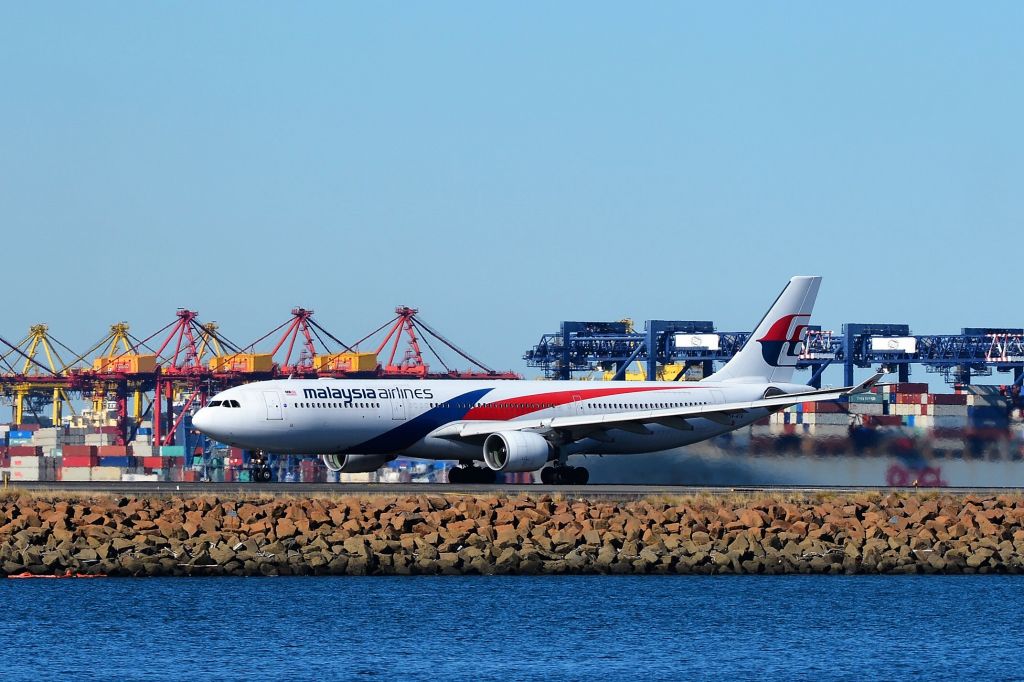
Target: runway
600,491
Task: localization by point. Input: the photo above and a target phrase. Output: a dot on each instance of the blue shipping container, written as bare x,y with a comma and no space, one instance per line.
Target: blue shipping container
145,431
127,461
20,434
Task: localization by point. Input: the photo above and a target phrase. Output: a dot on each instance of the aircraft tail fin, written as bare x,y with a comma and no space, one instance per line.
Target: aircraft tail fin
772,351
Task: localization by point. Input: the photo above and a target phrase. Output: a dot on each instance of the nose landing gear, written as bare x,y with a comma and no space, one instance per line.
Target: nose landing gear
259,467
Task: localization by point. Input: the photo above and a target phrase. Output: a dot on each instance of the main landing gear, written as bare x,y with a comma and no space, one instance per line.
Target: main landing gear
561,474
470,474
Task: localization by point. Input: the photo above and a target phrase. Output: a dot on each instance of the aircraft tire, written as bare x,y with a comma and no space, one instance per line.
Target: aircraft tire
456,475
580,475
547,475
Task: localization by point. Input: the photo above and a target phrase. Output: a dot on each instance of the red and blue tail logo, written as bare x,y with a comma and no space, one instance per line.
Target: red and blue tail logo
784,342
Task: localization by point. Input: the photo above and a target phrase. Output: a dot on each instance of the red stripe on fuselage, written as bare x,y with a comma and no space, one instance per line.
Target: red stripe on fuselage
510,408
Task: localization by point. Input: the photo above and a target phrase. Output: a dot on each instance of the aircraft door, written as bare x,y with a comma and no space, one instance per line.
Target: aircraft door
398,407
578,403
273,401
717,397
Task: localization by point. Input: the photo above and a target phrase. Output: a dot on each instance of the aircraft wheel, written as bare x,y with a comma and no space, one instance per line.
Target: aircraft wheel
486,476
457,475
547,476
580,475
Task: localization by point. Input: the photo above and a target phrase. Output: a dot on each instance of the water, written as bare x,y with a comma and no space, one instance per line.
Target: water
490,628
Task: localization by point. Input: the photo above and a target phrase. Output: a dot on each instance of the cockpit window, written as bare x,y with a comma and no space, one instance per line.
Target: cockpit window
232,403
214,403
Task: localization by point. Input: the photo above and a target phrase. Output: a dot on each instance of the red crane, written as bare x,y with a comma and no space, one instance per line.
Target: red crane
412,365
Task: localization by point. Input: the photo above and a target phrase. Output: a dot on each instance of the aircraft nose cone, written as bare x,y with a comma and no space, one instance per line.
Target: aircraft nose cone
202,419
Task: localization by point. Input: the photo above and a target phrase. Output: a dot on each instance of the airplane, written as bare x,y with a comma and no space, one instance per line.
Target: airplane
520,426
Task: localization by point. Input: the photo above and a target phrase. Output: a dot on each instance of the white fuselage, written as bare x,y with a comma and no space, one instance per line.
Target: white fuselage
328,416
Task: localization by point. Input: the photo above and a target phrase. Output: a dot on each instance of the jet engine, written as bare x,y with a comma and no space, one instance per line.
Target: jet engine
516,451
355,464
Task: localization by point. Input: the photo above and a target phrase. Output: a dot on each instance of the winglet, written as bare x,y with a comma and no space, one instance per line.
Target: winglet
869,383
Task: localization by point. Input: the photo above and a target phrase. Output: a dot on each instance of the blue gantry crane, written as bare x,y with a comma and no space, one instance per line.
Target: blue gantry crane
584,346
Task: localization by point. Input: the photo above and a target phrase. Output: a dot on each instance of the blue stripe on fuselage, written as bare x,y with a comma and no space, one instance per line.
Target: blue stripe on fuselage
407,433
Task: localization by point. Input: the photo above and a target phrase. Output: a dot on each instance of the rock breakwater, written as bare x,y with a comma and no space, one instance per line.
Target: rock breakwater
435,534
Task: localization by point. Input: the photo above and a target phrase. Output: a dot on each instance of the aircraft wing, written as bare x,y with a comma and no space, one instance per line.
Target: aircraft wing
581,426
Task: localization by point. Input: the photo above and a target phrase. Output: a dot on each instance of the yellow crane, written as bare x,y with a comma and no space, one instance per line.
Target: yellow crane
35,379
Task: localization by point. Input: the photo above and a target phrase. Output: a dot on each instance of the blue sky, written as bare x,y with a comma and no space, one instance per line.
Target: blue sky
505,168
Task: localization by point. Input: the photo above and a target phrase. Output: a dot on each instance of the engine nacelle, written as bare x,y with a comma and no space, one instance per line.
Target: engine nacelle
355,464
516,451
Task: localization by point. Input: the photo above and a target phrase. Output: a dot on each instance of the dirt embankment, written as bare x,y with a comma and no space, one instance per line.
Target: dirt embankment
867,533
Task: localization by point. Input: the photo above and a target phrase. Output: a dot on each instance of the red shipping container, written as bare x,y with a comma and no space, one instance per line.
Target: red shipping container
80,460
829,407
26,427
949,399
909,388
190,475
25,451
154,462
109,430
112,450
79,450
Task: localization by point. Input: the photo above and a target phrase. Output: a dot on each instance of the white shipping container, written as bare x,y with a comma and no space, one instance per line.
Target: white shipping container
867,408
949,411
106,473
24,473
830,418
140,477
76,474
357,478
23,462
827,430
